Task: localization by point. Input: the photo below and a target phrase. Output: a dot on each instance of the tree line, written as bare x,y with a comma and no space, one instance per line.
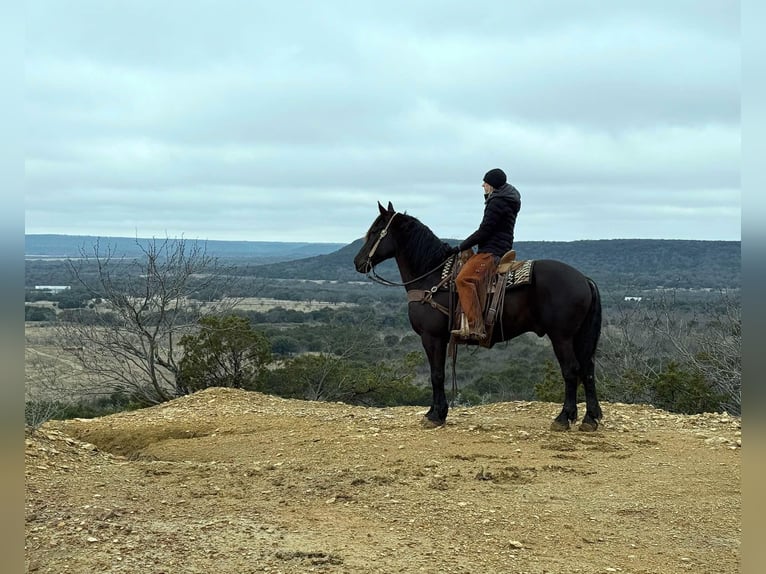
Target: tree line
156,342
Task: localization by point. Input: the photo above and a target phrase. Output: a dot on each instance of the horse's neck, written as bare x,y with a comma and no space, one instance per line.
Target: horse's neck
412,267
406,269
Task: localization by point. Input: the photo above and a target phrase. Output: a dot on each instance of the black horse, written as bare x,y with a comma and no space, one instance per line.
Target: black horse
560,302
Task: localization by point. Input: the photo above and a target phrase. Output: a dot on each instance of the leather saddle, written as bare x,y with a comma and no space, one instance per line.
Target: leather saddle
493,296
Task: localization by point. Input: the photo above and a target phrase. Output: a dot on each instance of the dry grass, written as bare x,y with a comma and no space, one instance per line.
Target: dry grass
263,304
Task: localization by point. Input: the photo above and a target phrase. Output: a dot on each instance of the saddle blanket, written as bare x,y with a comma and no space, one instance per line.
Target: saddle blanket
520,274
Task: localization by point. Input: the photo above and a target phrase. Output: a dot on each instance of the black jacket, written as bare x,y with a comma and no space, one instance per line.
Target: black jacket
495,233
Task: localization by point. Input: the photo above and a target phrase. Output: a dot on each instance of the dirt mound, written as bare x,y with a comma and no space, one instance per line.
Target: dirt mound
236,482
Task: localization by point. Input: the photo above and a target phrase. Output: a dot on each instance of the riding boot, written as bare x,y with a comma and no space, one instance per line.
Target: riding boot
471,287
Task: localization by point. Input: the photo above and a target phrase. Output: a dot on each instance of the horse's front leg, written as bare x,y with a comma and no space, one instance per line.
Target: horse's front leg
436,351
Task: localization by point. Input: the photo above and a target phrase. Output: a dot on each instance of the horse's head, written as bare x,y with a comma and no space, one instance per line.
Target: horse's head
378,243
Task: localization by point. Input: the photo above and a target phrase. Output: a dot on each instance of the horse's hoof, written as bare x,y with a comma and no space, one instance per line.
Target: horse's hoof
589,426
559,426
427,423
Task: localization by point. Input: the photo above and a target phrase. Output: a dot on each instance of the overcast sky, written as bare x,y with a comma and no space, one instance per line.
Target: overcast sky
289,121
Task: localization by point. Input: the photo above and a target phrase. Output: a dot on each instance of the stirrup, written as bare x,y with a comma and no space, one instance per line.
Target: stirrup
463,332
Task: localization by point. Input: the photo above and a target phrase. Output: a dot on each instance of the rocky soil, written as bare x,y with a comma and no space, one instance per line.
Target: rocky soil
227,481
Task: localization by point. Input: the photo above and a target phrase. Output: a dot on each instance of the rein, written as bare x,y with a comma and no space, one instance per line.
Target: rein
383,281
420,296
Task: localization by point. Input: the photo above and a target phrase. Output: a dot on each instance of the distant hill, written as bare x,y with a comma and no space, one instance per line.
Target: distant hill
623,264
41,246
643,263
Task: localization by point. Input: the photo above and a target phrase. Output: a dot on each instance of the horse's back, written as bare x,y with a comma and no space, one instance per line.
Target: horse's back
559,275
557,300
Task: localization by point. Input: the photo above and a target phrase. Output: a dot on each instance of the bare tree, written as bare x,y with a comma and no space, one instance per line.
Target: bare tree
640,339
347,368
711,342
44,395
130,341
628,353
329,379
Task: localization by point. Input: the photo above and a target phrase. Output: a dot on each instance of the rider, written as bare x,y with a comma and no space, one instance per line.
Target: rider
494,238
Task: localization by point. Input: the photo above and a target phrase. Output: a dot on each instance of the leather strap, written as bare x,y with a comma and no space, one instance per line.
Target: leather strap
421,296
497,301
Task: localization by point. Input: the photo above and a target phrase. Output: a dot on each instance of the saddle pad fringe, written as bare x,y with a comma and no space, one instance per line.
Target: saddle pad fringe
520,274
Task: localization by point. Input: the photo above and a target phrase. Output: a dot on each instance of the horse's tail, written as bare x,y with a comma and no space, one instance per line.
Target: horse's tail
586,340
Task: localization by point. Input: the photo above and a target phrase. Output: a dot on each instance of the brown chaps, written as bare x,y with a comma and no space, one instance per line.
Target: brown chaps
471,285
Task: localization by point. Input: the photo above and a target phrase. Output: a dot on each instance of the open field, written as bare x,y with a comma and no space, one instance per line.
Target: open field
46,357
262,304
51,372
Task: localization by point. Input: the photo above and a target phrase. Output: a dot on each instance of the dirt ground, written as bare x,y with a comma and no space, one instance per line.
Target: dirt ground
226,481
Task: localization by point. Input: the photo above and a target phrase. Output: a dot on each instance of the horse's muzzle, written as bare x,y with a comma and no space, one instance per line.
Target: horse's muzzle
363,265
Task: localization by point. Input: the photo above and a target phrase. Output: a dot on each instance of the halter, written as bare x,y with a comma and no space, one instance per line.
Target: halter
382,280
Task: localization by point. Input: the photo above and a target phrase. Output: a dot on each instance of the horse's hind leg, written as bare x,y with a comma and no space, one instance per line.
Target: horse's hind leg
569,370
593,412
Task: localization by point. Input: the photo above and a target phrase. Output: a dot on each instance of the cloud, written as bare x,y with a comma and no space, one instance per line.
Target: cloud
243,120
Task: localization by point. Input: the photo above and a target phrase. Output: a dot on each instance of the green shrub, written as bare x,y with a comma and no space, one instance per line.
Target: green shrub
34,313
551,387
684,391
226,352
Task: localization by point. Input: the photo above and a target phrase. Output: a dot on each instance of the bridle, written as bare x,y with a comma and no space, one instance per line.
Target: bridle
382,280
423,297
381,235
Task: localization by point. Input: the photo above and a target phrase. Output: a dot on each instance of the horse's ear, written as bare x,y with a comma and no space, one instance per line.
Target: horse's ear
390,207
382,209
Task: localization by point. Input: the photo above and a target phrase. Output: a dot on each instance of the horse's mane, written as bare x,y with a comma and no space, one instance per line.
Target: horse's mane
424,249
